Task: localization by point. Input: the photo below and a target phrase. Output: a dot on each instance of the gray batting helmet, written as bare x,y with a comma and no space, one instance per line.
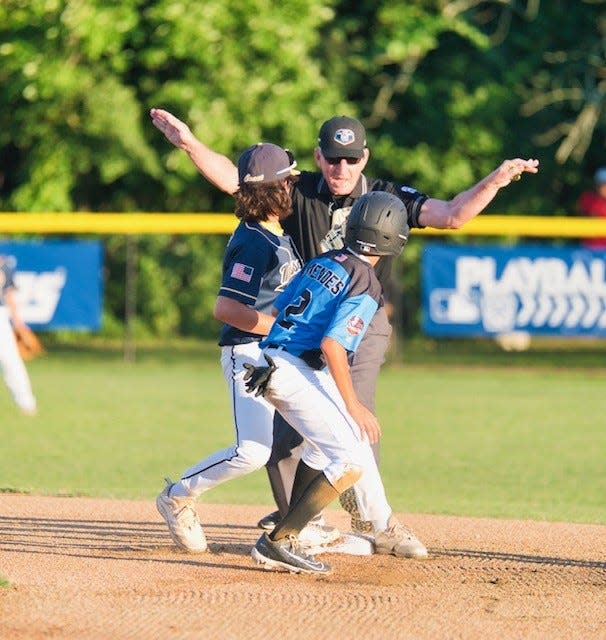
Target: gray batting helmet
377,225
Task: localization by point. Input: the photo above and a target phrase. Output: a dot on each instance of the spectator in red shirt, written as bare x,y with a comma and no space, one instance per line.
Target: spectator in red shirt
593,203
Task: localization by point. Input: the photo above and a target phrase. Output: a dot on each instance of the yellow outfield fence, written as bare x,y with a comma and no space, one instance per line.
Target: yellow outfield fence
225,223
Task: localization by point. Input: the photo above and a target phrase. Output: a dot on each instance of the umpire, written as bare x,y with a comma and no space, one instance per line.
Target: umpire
321,201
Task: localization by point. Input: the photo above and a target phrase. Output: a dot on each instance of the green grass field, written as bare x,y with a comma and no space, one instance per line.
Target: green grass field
467,429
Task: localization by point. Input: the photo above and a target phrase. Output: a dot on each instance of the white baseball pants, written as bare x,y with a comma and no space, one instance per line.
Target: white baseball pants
253,423
13,368
311,403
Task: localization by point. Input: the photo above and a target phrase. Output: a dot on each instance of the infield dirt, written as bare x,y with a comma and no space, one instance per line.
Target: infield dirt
82,568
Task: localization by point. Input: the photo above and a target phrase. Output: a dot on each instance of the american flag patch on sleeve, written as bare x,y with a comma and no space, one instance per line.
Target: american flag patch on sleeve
242,272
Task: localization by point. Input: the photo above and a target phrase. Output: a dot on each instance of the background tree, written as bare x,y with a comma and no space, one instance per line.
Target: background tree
446,89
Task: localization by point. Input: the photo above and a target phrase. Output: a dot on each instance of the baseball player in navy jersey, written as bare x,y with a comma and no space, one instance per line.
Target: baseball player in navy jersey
11,363
321,318
259,261
321,202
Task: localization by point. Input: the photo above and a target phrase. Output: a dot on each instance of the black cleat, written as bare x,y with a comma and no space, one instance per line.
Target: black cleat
286,554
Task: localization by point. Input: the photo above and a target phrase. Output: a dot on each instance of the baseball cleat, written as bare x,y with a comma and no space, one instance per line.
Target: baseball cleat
399,541
269,522
182,520
286,555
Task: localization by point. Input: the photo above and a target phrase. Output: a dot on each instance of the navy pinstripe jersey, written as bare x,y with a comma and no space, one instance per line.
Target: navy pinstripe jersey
257,266
336,295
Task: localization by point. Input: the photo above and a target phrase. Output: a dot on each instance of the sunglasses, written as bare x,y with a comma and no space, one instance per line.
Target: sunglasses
292,165
338,160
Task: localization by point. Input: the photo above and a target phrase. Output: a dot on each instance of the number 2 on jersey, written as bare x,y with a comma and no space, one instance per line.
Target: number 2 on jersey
296,309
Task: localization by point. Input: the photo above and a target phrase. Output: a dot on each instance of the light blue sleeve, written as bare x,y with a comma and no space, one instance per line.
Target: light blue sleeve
351,321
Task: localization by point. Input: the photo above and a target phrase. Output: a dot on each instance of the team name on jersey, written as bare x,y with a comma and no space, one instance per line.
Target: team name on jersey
287,271
329,280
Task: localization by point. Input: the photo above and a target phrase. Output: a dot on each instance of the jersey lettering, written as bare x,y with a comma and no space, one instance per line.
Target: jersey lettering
329,280
287,271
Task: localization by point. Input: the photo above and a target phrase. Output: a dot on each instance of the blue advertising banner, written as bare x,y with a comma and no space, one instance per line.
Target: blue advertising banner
489,290
59,283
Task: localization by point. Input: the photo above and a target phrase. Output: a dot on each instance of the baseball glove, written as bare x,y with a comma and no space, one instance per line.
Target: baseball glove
257,378
28,343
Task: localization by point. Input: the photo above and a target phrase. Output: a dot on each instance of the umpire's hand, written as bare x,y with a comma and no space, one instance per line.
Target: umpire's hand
175,130
257,378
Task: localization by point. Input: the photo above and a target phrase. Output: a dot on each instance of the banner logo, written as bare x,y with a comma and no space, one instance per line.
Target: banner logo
59,283
38,294
489,290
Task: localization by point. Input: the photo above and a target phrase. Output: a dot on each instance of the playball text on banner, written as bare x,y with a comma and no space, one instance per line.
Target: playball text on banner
490,290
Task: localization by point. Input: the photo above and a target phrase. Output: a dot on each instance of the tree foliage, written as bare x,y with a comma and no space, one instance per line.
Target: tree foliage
446,89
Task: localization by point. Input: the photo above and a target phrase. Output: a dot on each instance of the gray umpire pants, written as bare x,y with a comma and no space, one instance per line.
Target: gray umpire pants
369,357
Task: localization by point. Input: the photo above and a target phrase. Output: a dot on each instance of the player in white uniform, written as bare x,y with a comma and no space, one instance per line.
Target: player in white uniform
321,319
13,367
259,261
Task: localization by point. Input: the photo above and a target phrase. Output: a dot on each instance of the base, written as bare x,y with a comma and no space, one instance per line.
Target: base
351,544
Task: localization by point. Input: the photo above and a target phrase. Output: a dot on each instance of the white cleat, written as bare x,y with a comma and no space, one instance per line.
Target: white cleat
182,520
399,541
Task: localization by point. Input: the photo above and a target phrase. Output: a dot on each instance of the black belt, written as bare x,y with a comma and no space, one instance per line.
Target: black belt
312,357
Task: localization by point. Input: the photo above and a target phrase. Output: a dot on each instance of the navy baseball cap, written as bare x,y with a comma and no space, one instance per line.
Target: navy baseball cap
265,162
342,137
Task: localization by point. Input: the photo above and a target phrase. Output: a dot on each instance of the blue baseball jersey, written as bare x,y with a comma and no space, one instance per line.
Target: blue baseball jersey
257,266
335,295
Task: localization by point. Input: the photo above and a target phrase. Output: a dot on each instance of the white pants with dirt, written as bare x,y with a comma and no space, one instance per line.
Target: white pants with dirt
13,368
253,424
311,403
